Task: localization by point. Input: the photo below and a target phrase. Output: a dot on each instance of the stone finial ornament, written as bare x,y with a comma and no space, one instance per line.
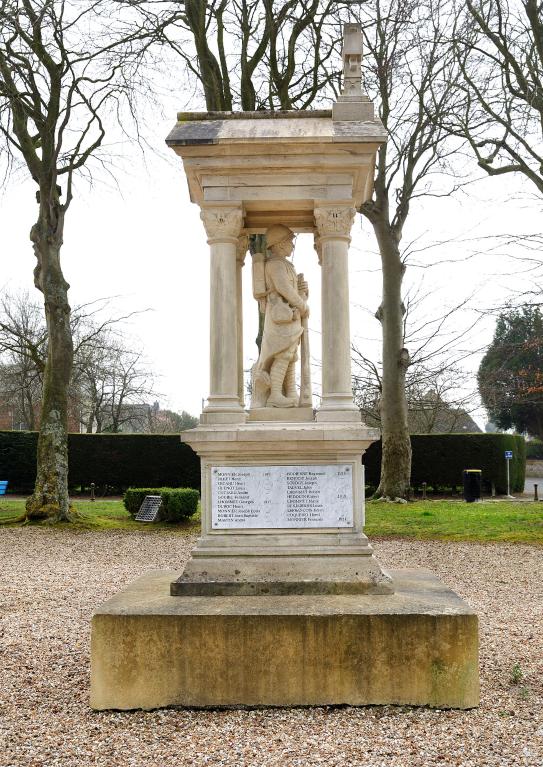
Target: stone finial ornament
352,61
353,105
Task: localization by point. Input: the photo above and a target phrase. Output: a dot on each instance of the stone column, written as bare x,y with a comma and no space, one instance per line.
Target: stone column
243,245
332,243
223,227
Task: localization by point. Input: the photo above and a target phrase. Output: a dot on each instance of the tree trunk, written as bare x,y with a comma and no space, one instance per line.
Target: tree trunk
29,412
50,498
396,443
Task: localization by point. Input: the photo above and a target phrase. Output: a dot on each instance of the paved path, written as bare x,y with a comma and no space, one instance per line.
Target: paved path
51,581
529,486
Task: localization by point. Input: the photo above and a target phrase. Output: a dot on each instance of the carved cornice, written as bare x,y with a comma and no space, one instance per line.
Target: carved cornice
222,224
334,222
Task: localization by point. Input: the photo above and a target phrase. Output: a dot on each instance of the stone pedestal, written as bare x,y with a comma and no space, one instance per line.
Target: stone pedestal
305,540
416,647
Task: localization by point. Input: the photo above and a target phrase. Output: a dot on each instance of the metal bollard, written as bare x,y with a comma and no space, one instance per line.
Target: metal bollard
92,492
535,493
424,491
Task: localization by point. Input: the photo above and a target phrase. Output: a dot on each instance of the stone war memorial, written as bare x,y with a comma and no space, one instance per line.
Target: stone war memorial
283,602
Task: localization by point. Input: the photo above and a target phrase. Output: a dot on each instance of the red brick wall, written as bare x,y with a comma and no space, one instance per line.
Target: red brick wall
6,418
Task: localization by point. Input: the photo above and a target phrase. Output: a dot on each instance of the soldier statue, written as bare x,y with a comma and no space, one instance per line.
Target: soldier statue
282,295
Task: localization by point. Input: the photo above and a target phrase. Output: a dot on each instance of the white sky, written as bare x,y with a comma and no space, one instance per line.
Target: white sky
146,245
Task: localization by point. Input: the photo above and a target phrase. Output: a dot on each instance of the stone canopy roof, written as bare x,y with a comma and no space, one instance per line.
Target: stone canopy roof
193,128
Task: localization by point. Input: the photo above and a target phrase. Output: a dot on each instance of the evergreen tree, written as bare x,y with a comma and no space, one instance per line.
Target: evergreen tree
510,376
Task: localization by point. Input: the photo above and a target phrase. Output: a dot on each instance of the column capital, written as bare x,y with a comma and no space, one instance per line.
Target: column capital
222,224
334,222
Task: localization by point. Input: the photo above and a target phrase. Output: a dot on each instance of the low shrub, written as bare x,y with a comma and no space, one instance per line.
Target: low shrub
177,503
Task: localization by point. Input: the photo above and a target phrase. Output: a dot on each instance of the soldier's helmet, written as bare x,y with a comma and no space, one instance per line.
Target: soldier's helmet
277,233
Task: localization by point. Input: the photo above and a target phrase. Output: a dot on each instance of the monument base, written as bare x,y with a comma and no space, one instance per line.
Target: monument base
418,646
282,511
281,414
308,573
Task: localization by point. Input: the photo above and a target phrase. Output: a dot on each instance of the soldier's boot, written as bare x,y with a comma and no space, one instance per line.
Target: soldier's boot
290,384
277,378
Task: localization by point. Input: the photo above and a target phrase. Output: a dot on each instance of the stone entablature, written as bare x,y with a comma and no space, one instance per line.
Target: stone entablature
278,170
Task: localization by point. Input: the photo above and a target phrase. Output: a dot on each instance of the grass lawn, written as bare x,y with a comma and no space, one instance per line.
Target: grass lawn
456,521
438,520
98,515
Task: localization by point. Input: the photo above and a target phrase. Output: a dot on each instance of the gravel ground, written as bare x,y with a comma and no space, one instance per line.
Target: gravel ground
52,581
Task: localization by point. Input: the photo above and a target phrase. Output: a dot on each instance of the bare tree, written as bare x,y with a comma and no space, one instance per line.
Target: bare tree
110,386
169,422
499,104
20,394
64,67
440,390
117,391
405,49
440,398
23,349
252,54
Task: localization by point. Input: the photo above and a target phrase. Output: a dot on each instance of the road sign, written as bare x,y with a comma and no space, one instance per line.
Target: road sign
508,456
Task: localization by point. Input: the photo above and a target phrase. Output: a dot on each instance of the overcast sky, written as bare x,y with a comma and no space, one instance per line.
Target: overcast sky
145,245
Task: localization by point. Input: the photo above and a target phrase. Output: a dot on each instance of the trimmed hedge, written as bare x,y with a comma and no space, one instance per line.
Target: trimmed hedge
117,460
177,503
18,459
534,450
440,459
156,460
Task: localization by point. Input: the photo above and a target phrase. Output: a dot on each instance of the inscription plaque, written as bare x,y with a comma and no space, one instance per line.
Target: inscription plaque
281,496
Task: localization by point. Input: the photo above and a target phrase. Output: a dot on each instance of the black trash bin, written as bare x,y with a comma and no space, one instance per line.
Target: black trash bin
472,485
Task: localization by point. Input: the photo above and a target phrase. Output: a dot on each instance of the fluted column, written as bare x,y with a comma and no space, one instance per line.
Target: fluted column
223,226
333,225
243,244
